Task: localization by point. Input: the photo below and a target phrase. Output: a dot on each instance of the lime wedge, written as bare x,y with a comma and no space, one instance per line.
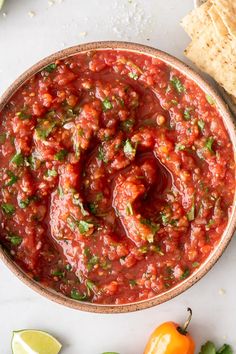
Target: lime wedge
1,3
31,341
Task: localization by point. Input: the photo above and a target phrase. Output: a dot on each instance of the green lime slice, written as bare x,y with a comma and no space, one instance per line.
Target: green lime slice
1,3
31,341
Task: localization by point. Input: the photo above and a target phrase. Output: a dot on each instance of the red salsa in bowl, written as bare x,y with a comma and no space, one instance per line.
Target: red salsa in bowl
117,176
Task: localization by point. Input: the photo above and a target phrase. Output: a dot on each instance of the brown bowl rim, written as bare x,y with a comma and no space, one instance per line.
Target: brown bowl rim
231,226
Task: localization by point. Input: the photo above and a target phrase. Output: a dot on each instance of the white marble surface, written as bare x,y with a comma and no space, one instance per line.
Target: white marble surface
23,41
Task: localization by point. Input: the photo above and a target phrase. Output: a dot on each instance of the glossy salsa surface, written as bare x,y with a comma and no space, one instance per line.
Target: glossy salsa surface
117,177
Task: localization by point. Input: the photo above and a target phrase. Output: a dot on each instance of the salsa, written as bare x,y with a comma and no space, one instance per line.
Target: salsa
117,176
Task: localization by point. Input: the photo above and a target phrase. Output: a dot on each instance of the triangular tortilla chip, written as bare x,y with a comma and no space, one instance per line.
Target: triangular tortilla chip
227,11
220,27
215,56
191,24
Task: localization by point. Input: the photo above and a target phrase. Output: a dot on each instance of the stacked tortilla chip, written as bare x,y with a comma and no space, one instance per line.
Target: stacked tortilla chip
212,28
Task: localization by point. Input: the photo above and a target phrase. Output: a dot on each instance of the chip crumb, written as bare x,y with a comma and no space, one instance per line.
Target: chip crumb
4,14
83,34
225,337
31,14
222,292
51,2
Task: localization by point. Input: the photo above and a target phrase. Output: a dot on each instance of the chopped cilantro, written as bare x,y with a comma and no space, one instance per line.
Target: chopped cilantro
51,173
92,262
106,105
101,154
58,273
201,124
191,213
208,144
90,286
24,203
127,125
157,249
23,115
129,149
210,100
93,208
51,67
187,113
44,129
84,226
77,201
179,147
68,267
60,156
175,81
129,209
12,178
185,274
8,208
77,296
18,159
133,282
143,249
174,102
133,75
15,240
195,264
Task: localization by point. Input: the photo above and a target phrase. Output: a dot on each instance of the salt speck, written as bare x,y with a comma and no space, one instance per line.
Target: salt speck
31,14
4,14
221,292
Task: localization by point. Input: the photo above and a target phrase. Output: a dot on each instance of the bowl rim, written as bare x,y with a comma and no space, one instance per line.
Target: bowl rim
231,226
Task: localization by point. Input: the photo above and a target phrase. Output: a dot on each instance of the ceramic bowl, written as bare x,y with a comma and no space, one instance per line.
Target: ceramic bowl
228,233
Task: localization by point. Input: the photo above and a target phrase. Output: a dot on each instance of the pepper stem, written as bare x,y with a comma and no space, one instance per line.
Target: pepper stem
183,330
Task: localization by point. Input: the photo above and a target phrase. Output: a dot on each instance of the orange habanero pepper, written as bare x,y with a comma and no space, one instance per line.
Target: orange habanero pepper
170,338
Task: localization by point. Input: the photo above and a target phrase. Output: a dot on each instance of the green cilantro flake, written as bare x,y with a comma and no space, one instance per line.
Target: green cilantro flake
101,154
77,201
133,76
208,144
90,285
77,296
94,260
129,149
129,209
8,208
201,124
18,159
127,125
175,81
106,105
15,240
51,173
23,115
179,147
12,179
44,129
133,282
51,67
60,156
185,274
187,113
24,203
210,100
195,264
191,213
84,226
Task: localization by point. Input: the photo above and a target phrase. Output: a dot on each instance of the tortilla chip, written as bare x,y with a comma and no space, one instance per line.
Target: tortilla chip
227,11
220,27
216,56
191,24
